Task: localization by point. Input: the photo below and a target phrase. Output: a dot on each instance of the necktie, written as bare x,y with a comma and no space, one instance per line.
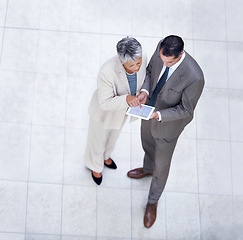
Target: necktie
158,87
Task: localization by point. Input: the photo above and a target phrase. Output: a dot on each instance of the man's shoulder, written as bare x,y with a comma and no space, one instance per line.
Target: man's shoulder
193,65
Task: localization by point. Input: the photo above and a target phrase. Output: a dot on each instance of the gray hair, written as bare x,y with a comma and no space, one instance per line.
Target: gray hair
129,49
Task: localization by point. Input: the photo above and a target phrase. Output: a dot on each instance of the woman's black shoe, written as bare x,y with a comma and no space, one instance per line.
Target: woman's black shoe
112,165
97,180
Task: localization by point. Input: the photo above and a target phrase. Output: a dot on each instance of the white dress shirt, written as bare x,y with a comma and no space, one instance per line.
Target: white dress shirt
171,70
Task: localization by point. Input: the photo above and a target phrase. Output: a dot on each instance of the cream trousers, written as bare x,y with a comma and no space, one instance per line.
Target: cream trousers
100,144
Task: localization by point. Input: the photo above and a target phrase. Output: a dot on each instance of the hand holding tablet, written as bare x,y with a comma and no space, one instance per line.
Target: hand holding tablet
143,113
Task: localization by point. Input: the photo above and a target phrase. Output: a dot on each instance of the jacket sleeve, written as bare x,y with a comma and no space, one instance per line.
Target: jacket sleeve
107,94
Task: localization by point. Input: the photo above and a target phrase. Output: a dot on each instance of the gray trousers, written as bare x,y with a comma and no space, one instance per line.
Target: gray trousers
157,159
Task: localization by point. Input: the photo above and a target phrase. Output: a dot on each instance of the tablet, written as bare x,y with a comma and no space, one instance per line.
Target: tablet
143,113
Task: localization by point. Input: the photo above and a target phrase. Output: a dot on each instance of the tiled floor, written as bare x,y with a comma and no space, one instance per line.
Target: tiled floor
50,53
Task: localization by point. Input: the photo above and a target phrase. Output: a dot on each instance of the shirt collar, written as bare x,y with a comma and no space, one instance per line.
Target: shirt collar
176,65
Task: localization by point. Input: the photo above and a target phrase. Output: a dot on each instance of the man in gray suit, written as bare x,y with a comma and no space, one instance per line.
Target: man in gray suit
173,84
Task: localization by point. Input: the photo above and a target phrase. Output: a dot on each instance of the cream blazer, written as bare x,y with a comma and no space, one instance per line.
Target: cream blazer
108,104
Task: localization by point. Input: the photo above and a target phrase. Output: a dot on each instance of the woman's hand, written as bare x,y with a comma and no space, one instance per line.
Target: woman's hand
133,101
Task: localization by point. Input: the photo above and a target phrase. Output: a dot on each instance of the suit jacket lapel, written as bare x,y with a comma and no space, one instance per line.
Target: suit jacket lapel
159,66
140,74
122,75
176,76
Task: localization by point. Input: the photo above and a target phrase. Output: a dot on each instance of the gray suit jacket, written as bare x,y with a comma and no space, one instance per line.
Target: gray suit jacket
178,98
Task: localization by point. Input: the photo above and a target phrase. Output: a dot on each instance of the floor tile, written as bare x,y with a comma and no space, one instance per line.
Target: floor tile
14,151
50,55
55,15
78,238
79,211
152,26
86,16
208,124
42,237
215,74
16,96
87,45
234,64
182,216
238,216
205,14
237,166
47,145
23,13
236,103
12,236
113,16
13,207
75,172
3,8
181,9
44,209
53,52
216,217
109,200
214,167
112,238
1,42
183,172
79,94
234,17
50,100
16,54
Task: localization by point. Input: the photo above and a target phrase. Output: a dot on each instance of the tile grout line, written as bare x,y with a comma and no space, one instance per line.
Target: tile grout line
131,138
116,34
196,138
65,121
230,130
3,34
31,129
97,190
131,190
80,128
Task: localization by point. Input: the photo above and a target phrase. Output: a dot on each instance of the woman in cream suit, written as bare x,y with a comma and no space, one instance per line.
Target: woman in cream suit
119,81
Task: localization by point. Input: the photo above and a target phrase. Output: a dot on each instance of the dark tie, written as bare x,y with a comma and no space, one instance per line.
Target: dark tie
158,87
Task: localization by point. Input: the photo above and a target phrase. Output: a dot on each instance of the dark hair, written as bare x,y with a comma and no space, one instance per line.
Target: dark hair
129,49
172,46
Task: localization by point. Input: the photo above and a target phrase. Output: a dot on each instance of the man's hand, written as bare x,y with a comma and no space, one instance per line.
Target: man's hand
133,101
154,115
142,97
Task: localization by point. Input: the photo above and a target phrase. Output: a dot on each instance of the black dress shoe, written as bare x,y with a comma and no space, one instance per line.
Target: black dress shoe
97,180
112,165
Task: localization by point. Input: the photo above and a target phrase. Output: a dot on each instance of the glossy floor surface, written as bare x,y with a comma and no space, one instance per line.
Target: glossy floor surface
50,53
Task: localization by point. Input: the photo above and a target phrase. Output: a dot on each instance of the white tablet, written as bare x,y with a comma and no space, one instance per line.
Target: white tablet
143,113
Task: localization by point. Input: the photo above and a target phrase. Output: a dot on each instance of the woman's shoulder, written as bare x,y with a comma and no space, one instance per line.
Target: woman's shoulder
112,63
